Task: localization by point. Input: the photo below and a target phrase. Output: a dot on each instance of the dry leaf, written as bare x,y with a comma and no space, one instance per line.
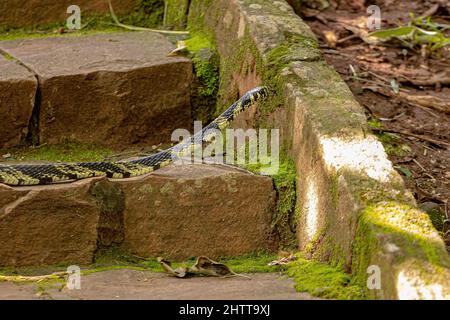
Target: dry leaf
202,266
331,38
167,266
282,261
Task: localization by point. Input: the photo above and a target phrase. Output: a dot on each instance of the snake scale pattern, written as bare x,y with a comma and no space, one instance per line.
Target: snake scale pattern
43,174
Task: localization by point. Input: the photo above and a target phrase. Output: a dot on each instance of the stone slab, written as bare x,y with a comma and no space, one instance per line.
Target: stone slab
177,211
17,97
48,225
198,210
23,13
113,89
145,285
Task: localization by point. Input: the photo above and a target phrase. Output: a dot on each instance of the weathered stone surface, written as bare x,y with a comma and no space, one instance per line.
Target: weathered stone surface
342,169
178,212
128,284
17,96
48,225
21,13
198,210
113,89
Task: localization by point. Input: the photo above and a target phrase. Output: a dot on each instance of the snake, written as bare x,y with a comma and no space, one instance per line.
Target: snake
60,172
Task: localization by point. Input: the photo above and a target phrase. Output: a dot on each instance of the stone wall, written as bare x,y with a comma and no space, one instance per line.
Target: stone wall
353,209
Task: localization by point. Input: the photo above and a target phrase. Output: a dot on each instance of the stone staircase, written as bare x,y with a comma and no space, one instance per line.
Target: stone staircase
119,90
112,89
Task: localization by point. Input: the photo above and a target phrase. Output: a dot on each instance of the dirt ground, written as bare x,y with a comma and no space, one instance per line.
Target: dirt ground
414,122
127,284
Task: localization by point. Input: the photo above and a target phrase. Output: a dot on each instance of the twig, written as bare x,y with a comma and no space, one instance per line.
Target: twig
118,23
428,101
234,274
347,38
445,80
406,133
418,163
430,11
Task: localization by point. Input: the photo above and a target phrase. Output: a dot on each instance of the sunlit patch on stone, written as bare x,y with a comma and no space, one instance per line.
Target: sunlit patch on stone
364,155
311,208
411,287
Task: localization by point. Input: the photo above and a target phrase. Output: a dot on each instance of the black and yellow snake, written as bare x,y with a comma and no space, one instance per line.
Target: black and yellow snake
41,174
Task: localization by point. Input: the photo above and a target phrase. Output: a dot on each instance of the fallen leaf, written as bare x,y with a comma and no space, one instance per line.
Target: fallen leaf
331,38
203,266
283,261
167,266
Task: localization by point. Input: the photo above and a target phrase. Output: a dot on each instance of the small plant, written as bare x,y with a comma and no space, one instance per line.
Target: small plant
418,33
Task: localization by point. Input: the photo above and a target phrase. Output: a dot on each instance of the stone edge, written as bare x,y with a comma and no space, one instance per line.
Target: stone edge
349,209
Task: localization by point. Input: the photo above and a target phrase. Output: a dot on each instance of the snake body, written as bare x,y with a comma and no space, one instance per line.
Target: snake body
44,174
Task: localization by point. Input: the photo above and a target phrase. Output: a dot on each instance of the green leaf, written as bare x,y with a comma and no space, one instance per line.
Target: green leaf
400,32
394,85
404,170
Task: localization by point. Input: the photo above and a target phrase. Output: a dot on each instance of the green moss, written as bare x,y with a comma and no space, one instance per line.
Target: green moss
284,218
408,228
334,190
147,13
251,263
116,258
390,141
322,280
198,9
66,152
199,41
437,218
176,13
206,66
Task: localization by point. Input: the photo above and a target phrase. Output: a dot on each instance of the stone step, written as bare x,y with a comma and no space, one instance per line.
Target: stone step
177,212
22,13
145,285
118,89
17,95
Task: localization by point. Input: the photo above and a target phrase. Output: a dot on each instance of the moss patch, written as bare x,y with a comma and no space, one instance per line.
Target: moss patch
66,152
323,280
176,13
390,141
115,258
284,219
205,59
408,228
147,13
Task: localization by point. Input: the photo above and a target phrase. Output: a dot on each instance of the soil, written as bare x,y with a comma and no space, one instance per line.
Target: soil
410,122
